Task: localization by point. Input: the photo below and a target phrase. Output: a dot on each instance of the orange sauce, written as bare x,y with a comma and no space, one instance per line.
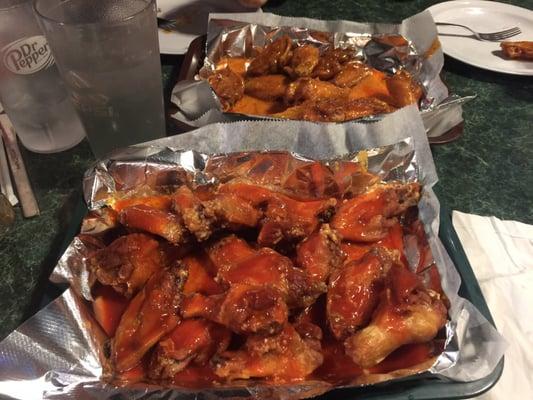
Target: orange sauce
162,202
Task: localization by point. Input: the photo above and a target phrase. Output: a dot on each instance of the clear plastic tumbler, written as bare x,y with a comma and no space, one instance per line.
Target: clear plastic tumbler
108,54
31,90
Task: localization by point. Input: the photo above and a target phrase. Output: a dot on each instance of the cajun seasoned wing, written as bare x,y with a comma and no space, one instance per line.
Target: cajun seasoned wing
228,86
403,89
242,308
193,340
351,74
304,89
267,87
353,292
152,220
407,313
272,58
304,60
339,109
127,263
330,63
285,357
151,314
368,217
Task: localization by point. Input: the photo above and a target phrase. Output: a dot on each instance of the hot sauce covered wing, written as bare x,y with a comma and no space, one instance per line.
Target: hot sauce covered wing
272,271
301,81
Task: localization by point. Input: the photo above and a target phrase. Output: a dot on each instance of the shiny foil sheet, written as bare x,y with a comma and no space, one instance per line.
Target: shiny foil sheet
59,353
236,35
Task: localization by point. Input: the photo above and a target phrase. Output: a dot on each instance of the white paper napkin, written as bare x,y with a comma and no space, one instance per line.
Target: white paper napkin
501,255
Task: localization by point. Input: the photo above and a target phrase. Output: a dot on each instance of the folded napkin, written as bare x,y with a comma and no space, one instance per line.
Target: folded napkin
501,255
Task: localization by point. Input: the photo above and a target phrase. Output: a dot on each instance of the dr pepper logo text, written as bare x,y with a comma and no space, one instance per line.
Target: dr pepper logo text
28,55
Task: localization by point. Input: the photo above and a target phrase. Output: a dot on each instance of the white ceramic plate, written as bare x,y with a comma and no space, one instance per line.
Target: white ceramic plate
192,18
483,16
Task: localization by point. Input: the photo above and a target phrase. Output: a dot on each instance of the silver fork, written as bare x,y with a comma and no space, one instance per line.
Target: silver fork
489,36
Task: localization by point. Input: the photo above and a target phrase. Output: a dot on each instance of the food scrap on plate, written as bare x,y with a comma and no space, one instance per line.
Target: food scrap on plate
518,50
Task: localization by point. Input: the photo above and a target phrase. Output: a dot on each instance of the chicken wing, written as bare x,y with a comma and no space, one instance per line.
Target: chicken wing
193,340
403,89
243,309
217,211
304,60
152,220
353,292
266,87
331,61
151,314
351,74
127,263
304,89
340,110
407,313
272,58
367,218
284,357
200,275
319,254
284,218
228,86
238,263
191,210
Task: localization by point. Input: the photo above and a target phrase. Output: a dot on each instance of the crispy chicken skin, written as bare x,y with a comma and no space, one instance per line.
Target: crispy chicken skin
127,263
151,314
368,217
193,340
407,313
284,357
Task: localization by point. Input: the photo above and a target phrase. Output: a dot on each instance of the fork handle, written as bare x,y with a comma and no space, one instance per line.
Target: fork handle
450,24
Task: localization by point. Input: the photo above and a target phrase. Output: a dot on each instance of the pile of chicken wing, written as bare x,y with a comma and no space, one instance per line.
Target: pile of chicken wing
303,82
278,269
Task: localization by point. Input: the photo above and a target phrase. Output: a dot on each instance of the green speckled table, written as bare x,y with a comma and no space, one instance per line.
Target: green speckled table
488,171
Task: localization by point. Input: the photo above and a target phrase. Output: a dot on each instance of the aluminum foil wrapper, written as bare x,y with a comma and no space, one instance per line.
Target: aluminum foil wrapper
237,34
57,354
